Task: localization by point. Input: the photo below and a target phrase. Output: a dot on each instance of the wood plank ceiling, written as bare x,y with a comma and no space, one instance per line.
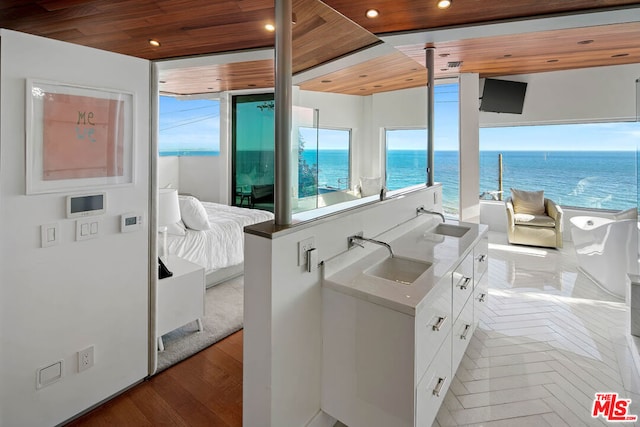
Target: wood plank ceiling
197,27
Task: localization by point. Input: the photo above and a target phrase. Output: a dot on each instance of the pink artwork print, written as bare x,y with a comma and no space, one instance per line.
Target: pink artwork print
82,137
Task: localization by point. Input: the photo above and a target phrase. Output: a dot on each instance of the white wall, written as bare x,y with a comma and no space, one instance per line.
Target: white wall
396,109
169,172
283,310
56,301
469,148
589,94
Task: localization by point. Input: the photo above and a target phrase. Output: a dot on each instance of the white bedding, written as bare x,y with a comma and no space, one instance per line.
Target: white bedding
223,244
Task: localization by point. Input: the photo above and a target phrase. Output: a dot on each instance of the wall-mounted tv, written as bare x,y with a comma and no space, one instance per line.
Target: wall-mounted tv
503,96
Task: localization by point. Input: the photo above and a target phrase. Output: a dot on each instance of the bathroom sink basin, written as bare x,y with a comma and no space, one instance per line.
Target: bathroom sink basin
399,269
450,230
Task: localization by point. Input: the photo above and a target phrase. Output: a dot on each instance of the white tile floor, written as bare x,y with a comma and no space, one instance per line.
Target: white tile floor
549,340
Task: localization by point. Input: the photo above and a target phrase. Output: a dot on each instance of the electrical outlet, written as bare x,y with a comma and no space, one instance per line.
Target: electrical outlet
85,359
303,247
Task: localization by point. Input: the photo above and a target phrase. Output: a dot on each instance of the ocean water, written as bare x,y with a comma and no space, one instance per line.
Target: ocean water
592,179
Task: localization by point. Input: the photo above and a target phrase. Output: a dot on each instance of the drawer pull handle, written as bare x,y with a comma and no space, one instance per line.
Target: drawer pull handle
482,258
440,322
465,332
465,283
438,388
482,298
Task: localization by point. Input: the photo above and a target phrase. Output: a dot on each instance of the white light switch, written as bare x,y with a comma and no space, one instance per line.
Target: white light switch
49,234
87,228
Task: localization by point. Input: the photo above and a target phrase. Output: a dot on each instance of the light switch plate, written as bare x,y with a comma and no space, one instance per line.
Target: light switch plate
87,228
50,234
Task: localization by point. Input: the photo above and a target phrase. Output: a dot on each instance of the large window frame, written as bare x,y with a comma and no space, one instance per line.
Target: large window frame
580,174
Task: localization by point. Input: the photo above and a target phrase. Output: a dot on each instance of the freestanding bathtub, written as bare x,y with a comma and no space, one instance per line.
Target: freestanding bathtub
607,250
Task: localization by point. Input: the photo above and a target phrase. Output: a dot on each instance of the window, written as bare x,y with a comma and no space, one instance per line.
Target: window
582,165
330,156
189,127
406,156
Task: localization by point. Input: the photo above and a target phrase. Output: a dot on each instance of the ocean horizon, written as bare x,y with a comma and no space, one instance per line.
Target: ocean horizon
588,179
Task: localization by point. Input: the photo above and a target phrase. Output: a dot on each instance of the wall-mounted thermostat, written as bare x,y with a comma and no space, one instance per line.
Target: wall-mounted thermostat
86,205
130,222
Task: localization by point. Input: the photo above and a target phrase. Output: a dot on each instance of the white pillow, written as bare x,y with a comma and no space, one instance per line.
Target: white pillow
193,213
528,202
370,186
178,228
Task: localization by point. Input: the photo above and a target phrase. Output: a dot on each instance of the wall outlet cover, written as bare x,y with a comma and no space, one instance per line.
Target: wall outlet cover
85,359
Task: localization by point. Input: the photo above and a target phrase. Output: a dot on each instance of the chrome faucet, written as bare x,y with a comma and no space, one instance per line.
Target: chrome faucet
421,210
353,242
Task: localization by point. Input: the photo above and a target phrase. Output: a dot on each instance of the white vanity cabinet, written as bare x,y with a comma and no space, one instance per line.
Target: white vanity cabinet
385,367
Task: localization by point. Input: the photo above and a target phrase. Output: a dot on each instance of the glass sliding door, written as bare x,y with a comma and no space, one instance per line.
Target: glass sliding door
253,144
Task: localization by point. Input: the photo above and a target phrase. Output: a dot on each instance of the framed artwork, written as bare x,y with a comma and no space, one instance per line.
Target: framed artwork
77,137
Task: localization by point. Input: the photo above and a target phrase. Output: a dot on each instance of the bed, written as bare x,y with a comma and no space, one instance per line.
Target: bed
219,248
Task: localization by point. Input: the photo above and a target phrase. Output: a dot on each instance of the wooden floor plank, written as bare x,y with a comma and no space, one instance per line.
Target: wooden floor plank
203,390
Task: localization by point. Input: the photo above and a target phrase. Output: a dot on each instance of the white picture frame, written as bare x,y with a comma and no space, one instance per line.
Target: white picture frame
77,137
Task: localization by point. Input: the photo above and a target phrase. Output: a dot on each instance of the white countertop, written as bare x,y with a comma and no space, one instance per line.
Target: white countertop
419,243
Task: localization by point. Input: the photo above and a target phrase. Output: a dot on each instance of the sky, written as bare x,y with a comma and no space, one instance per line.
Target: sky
189,125
195,124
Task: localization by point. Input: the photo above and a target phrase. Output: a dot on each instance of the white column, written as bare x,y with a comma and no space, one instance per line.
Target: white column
469,147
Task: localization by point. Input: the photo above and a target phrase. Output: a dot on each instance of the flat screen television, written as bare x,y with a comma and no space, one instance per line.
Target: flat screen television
503,96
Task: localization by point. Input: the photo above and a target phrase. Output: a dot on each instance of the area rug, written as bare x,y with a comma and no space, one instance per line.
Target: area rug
222,316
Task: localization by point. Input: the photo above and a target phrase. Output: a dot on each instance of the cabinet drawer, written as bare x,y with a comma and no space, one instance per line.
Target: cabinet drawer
462,284
434,385
461,334
433,324
480,259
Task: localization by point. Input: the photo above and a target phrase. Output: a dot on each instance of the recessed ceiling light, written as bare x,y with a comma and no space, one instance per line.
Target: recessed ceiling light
270,27
585,42
444,4
372,13
154,42
619,55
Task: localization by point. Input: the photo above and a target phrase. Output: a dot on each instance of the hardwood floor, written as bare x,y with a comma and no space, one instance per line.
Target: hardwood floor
203,390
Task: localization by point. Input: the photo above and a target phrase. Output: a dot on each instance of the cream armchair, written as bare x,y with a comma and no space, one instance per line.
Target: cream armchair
535,229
